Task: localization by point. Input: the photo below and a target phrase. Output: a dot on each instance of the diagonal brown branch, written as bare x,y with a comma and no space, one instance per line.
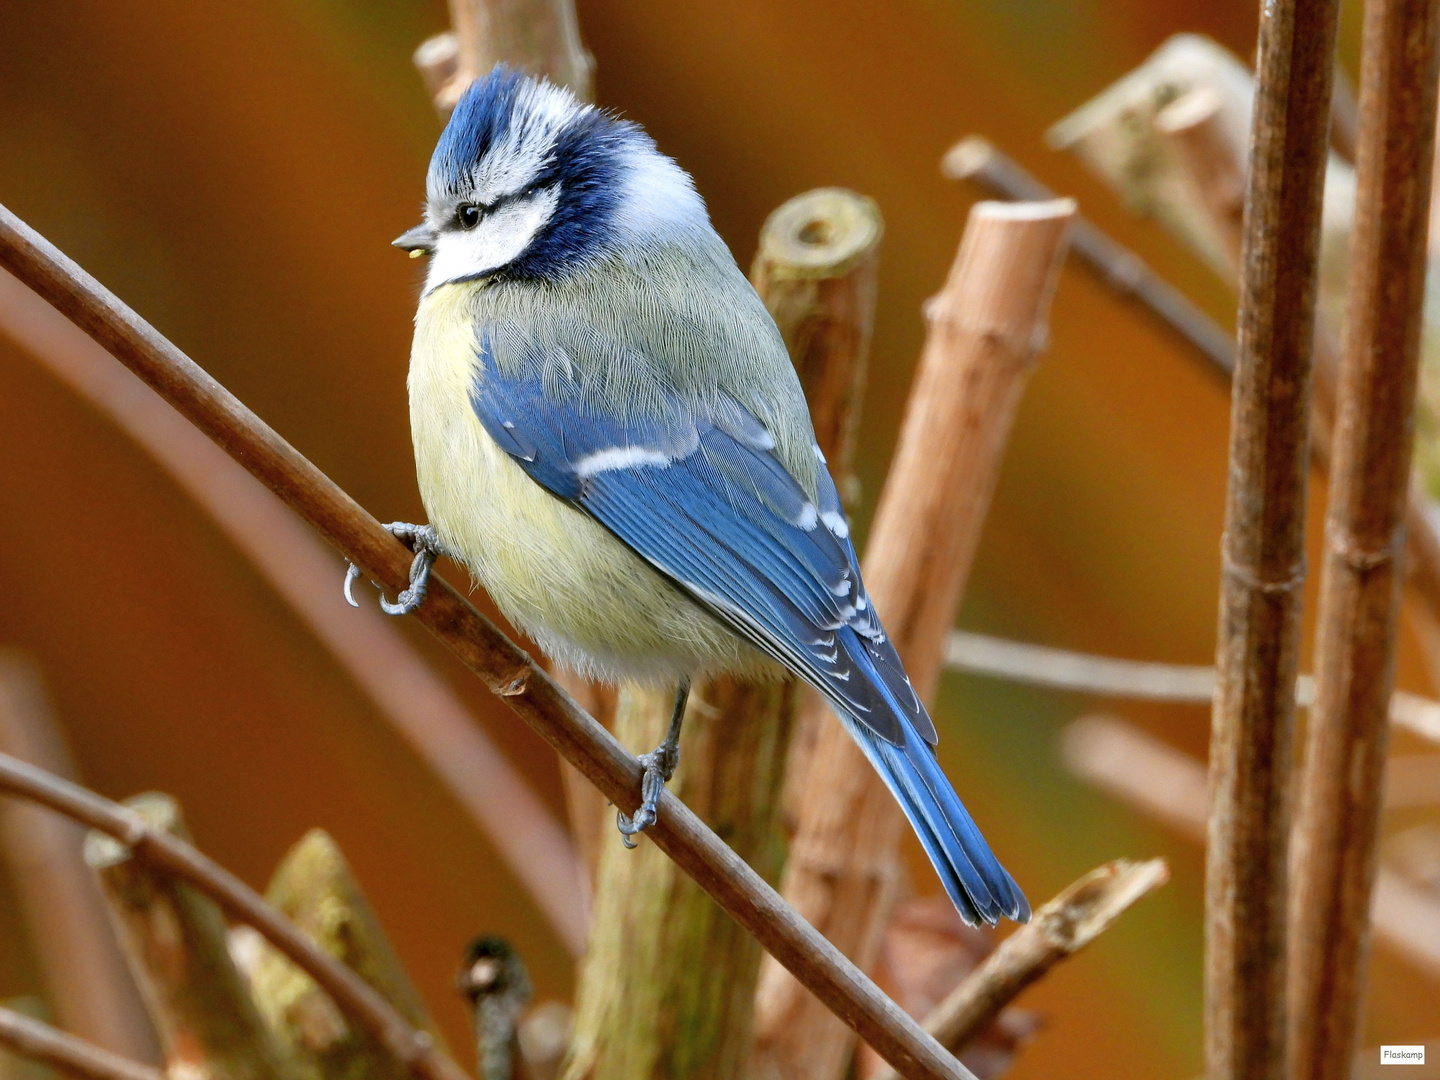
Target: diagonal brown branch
1062,927
39,1041
499,662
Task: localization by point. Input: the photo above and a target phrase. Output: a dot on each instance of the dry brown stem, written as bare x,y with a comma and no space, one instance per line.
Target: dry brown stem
38,1041
538,36
986,327
667,988
499,662
1343,776
1262,551
174,936
1117,267
403,687
314,887
1058,930
84,972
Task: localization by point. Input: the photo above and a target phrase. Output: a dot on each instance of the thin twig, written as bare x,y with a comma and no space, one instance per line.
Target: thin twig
1263,548
1342,780
40,1042
986,326
1061,928
1125,273
158,849
404,688
1171,786
1061,669
499,662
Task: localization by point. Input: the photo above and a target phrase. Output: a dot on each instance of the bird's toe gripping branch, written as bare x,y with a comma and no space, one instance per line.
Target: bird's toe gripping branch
424,541
660,765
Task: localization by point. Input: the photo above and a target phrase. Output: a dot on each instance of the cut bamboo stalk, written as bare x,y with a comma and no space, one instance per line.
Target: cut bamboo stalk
668,986
538,36
816,270
38,1041
1171,787
175,939
404,688
1263,548
986,327
1061,928
1343,775
314,887
1194,125
81,965
501,664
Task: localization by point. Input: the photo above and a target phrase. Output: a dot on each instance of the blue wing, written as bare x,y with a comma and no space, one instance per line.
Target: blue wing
700,495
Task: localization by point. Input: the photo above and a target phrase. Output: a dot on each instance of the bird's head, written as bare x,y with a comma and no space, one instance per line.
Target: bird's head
529,183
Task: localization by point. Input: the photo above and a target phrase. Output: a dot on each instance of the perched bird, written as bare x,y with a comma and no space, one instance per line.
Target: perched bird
610,435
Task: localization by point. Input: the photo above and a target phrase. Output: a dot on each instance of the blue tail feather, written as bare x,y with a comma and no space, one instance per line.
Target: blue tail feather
976,883
980,888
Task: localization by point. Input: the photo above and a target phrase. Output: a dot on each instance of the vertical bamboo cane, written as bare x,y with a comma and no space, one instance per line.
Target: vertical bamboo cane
1263,546
80,962
667,989
1335,858
986,327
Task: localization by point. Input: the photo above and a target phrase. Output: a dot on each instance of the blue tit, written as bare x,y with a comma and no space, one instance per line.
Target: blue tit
610,436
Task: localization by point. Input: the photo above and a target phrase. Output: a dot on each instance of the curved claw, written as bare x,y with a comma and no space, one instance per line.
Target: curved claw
406,602
652,785
352,574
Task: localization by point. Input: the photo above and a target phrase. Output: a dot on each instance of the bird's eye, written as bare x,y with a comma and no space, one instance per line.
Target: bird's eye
468,215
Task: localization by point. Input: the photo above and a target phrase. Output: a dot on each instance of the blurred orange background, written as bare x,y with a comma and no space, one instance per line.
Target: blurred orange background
235,172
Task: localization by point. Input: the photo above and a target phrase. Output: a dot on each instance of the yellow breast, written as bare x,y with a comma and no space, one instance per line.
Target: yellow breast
581,594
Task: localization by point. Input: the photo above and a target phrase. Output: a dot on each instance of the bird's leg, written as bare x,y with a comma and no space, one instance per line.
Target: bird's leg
659,765
425,542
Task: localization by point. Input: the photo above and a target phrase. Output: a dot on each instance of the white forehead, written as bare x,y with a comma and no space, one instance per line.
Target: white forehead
540,112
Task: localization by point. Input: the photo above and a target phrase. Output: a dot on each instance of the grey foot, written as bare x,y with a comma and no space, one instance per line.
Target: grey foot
659,766
425,542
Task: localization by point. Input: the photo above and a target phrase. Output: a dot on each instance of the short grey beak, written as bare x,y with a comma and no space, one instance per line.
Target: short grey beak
417,241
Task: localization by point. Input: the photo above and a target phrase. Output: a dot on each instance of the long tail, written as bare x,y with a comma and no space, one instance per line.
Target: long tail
977,884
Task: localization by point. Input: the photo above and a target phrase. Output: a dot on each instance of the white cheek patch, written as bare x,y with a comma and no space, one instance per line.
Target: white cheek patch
501,237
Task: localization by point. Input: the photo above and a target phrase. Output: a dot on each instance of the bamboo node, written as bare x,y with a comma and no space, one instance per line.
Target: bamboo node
1244,575
1361,559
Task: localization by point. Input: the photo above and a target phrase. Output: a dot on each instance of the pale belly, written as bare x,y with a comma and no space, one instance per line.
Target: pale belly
585,598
